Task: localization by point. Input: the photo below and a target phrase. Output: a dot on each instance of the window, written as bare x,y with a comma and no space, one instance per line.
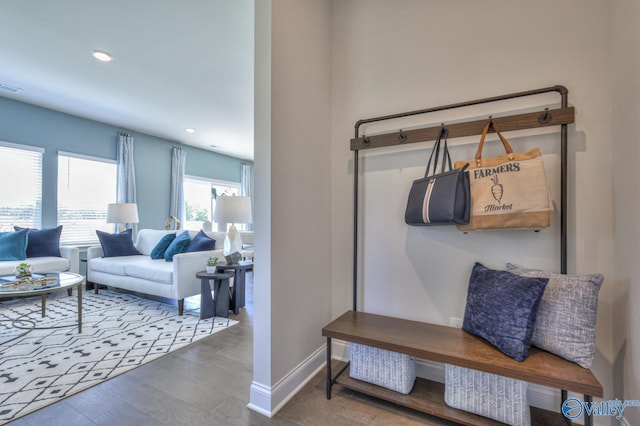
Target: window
85,186
199,202
20,204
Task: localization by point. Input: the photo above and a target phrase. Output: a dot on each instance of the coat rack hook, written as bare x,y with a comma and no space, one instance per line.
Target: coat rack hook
365,140
545,118
491,122
402,137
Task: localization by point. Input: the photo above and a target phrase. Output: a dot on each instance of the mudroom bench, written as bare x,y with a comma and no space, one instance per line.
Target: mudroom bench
452,346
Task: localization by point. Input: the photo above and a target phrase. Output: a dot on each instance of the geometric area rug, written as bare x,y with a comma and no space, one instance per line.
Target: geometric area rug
119,332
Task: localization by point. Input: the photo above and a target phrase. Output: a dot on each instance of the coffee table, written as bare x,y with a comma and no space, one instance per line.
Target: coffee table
63,281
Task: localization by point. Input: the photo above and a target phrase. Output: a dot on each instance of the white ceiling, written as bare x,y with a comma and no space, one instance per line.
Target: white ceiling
177,64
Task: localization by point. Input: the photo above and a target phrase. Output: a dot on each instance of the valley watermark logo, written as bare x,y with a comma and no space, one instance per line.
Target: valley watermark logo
573,408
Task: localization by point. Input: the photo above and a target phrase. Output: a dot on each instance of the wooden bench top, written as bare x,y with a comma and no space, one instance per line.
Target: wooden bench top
454,346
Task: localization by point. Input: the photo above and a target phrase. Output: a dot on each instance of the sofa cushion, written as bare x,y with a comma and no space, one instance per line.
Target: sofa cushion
43,242
502,308
153,270
161,247
13,245
114,265
218,236
114,245
177,246
566,322
201,242
39,264
148,239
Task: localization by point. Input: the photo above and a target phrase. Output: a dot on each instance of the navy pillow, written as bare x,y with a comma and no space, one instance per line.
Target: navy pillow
43,242
502,308
177,246
13,245
161,247
201,242
117,244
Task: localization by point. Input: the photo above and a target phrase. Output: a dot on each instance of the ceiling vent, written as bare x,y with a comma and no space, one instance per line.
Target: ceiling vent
11,89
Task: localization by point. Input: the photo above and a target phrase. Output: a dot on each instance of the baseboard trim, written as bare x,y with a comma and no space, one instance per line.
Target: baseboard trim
259,399
269,400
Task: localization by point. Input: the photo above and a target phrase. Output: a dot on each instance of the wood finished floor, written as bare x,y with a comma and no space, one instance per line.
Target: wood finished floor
207,383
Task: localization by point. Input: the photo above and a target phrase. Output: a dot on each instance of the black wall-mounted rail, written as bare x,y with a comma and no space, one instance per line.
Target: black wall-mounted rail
561,116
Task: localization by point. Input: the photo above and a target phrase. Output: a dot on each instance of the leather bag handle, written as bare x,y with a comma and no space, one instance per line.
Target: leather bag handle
446,157
506,145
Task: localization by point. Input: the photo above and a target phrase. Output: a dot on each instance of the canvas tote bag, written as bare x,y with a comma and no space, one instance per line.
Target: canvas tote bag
509,191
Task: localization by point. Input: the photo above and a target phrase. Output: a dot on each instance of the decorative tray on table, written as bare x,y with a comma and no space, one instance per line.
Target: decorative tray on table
34,282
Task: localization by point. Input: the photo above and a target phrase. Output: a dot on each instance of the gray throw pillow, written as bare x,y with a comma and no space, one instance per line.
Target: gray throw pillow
566,322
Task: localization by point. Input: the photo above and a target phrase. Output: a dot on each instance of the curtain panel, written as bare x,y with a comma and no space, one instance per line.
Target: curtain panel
126,174
245,187
178,161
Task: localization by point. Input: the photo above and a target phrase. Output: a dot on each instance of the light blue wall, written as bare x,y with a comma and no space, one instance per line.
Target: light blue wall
54,131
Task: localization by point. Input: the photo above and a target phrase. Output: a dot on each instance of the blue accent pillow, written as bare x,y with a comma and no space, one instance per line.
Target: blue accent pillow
161,247
43,242
177,246
502,308
117,244
201,242
13,245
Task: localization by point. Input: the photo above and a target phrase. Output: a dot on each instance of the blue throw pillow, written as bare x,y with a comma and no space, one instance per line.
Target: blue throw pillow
177,246
43,242
117,244
13,245
161,247
502,308
201,242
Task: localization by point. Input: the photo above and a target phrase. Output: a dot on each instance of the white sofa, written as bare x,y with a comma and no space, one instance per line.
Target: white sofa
247,244
139,273
69,260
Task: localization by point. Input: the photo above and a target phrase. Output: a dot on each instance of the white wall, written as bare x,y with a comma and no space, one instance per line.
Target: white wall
387,57
390,57
625,69
260,399
292,296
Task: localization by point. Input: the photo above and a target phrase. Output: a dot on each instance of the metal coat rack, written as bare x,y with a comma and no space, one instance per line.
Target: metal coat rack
561,116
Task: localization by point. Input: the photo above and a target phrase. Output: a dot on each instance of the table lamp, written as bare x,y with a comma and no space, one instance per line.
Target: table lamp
122,213
232,209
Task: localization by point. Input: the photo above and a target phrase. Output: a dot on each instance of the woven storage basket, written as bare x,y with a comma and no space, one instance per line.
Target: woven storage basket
391,370
489,395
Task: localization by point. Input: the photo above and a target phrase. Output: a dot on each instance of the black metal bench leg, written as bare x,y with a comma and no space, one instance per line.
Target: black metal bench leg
588,418
563,397
329,368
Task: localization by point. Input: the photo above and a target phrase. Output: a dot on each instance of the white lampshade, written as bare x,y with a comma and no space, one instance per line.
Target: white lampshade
122,213
233,209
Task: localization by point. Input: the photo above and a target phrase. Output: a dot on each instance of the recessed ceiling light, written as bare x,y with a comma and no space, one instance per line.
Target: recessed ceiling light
189,130
102,56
